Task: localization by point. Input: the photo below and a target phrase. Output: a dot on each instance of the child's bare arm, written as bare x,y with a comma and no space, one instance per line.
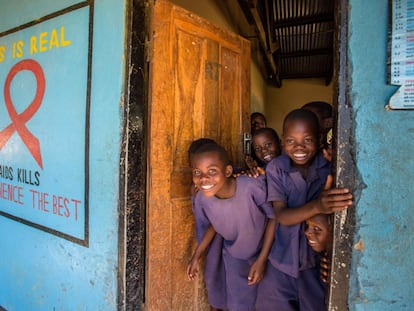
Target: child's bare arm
192,268
330,200
257,269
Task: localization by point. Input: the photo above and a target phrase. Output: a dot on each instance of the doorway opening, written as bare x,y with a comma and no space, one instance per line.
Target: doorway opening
310,73
298,53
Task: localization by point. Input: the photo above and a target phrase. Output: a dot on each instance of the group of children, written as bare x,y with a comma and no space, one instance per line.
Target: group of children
263,237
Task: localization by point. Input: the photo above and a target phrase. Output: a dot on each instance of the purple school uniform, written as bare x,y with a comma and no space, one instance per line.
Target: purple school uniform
292,281
214,273
241,221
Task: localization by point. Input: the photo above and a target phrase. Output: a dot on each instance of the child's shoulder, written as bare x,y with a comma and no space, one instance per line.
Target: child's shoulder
246,182
320,161
281,162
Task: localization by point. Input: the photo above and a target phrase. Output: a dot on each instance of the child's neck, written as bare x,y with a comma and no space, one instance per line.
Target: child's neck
228,190
303,170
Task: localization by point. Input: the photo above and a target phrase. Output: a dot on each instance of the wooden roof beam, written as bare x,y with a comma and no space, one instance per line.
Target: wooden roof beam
262,37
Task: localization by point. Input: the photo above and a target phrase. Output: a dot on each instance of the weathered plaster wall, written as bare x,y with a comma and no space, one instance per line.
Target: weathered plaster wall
381,276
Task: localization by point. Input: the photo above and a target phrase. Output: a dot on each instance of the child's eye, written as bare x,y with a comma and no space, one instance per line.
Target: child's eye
257,149
317,229
308,140
290,141
269,145
196,173
212,172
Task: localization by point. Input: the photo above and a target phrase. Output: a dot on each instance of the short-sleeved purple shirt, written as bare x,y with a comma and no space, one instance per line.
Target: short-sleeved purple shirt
240,220
290,252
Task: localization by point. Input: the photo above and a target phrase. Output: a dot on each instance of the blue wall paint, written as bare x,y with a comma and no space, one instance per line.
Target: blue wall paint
382,277
39,270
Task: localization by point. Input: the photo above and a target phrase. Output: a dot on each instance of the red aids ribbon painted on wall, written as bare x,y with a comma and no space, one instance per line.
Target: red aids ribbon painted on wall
18,121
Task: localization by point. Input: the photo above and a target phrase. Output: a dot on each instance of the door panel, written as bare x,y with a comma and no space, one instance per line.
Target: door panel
199,87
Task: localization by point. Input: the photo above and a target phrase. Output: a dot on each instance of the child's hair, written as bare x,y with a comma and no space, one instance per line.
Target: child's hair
257,114
329,220
304,115
213,147
197,144
271,132
323,109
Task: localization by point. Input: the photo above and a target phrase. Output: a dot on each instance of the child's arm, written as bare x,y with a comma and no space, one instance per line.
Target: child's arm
329,201
258,267
192,268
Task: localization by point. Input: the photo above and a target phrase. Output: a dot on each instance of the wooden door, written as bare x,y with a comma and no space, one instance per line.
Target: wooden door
199,87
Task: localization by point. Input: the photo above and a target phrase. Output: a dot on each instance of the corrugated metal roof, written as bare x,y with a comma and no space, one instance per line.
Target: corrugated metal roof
296,36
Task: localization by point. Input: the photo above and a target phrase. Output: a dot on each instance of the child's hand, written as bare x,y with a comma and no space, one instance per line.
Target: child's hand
325,268
242,172
255,172
192,269
256,272
333,199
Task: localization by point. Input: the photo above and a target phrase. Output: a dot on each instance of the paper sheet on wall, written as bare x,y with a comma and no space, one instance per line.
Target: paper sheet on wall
402,54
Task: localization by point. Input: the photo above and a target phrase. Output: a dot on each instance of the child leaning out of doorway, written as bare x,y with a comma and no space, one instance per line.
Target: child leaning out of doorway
235,208
214,277
318,232
298,189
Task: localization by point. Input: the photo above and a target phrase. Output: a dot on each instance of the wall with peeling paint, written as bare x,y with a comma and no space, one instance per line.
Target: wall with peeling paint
382,277
52,258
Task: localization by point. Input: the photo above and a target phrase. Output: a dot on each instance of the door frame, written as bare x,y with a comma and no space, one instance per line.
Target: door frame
343,165
133,162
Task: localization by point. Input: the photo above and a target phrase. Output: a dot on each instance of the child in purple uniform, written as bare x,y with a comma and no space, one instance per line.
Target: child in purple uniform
237,209
266,147
214,276
296,181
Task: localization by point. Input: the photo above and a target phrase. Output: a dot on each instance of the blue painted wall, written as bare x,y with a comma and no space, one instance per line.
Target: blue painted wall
382,277
50,261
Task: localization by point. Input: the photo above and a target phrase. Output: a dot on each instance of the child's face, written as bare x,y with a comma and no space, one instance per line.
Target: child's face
209,173
300,141
318,233
265,147
324,123
258,122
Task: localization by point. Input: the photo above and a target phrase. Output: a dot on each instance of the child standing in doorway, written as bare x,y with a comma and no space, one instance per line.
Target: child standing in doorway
257,121
237,209
266,147
298,189
214,273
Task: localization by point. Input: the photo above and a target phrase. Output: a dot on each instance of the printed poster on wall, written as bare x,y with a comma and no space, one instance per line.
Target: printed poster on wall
401,52
44,123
